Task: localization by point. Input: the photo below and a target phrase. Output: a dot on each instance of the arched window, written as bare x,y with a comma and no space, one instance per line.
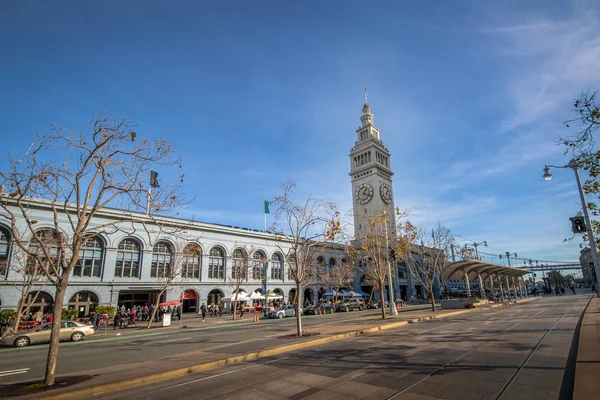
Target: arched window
331,262
48,241
276,266
216,263
291,258
4,250
258,271
89,262
84,302
239,262
128,259
190,263
162,258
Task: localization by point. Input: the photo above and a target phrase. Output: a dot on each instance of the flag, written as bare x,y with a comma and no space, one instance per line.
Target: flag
267,207
154,179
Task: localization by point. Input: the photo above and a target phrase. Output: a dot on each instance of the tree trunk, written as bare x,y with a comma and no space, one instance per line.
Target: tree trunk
430,290
61,289
235,303
382,296
154,311
298,313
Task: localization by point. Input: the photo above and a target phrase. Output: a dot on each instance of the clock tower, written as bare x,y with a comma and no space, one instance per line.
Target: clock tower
371,175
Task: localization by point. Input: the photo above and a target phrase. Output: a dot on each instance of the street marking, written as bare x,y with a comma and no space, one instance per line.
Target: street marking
14,372
539,312
218,375
174,340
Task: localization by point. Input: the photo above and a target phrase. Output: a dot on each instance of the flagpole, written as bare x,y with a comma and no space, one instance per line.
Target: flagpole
265,211
149,200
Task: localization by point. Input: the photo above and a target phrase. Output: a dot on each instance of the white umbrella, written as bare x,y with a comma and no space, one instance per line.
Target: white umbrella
256,296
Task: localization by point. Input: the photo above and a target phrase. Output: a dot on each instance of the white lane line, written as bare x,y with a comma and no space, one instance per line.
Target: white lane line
539,312
174,340
14,372
221,374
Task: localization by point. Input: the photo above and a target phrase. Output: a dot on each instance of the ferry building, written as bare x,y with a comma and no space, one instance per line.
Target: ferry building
123,267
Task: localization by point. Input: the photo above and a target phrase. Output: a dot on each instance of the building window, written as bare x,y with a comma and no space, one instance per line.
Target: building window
216,263
49,240
239,264
89,262
162,258
4,250
291,266
258,272
128,259
190,262
276,267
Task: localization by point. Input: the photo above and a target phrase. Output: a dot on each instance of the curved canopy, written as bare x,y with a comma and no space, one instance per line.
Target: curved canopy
457,270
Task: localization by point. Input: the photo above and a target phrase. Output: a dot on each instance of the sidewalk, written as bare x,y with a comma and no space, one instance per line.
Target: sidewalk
193,320
134,374
587,369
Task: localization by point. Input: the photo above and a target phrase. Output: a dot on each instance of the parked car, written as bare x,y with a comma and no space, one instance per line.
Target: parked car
70,330
374,304
285,311
351,304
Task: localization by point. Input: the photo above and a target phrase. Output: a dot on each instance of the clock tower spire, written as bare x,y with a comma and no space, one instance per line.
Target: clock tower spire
370,174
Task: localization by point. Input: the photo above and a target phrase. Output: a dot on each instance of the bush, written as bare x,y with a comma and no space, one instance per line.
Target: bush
6,314
68,313
109,310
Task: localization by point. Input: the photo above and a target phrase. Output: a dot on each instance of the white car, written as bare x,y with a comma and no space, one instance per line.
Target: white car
69,330
285,311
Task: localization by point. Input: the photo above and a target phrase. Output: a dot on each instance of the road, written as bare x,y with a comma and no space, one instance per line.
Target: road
522,352
21,364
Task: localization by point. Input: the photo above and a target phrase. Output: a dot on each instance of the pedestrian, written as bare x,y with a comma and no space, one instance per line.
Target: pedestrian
116,319
557,291
242,312
572,289
203,311
562,290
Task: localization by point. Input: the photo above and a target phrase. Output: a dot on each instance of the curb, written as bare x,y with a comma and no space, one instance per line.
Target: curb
161,376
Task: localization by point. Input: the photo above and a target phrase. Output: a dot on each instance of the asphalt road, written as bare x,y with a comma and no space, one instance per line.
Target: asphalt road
24,364
522,352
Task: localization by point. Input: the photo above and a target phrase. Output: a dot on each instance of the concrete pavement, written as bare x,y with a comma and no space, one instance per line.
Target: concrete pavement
520,352
183,353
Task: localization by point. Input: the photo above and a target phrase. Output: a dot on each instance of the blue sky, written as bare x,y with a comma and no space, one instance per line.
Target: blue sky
469,96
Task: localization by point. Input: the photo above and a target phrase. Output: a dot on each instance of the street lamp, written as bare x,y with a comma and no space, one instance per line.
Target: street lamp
393,310
574,165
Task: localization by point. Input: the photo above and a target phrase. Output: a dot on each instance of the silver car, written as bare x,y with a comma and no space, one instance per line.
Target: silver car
69,330
285,311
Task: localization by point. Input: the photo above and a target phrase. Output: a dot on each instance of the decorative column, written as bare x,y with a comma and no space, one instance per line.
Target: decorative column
508,288
525,287
501,291
467,285
481,288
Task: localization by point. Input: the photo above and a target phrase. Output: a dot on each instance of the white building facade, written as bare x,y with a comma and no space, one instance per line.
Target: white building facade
123,267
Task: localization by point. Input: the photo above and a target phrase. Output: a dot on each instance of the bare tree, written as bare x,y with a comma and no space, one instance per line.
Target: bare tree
371,252
302,228
244,262
337,276
77,175
30,277
466,253
171,271
432,257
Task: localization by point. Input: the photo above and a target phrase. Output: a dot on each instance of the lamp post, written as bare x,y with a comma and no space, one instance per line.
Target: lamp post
393,310
574,165
477,244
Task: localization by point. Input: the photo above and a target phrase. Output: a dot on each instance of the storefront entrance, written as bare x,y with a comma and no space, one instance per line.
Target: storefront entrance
189,300
130,298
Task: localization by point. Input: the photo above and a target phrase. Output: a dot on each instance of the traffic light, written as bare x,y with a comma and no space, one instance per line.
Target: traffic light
578,224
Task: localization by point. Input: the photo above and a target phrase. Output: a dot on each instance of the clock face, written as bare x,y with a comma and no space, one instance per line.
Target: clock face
364,194
386,193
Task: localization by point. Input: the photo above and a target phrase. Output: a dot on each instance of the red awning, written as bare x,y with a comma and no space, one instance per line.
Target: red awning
189,294
170,303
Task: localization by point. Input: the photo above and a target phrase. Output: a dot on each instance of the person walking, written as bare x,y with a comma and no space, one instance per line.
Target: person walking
203,311
242,309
